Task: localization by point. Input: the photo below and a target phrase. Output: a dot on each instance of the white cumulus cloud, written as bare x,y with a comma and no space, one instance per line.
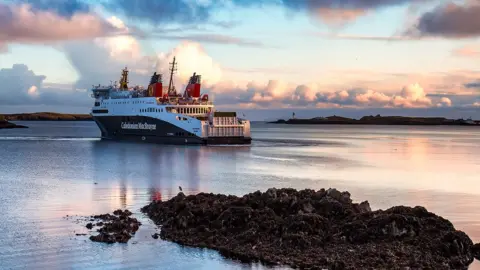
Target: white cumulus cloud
445,102
191,57
412,96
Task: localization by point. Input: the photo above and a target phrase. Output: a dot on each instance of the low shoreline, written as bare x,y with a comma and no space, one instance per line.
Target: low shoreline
47,116
380,120
313,229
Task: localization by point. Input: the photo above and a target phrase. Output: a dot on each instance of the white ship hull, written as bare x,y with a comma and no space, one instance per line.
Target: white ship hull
142,119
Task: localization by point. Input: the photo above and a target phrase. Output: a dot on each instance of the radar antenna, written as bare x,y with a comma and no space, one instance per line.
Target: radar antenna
173,68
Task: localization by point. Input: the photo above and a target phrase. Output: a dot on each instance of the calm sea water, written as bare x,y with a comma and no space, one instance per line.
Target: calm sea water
49,171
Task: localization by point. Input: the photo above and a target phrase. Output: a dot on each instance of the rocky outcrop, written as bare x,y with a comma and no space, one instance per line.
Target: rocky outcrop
6,124
313,229
119,227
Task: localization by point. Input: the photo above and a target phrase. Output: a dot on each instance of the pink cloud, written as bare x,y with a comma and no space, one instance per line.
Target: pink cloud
412,96
444,102
472,51
338,16
22,24
372,97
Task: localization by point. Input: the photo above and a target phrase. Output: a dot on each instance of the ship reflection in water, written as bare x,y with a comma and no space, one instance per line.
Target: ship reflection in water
135,173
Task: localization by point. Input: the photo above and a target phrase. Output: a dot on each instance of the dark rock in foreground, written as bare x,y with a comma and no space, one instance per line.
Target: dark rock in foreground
119,227
313,229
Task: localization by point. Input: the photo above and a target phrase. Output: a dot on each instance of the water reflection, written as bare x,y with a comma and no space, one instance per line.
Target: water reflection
148,172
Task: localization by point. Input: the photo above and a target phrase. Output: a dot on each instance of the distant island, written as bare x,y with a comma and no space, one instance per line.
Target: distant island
47,116
380,120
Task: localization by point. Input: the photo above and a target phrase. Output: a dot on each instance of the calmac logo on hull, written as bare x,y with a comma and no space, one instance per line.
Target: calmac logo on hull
139,126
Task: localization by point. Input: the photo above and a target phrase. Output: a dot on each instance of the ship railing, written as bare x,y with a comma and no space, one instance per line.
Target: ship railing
233,125
215,130
176,103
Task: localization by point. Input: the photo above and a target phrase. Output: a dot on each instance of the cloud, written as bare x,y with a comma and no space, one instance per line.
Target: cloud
101,60
407,36
191,58
450,21
37,21
193,12
367,37
210,38
412,96
167,11
63,8
444,102
280,94
471,51
114,53
18,83
338,17
23,24
476,104
314,5
30,89
473,85
183,11
21,86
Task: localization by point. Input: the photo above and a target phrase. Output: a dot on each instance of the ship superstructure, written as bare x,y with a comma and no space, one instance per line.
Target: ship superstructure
160,114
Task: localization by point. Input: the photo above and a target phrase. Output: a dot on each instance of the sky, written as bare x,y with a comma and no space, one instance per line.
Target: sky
265,58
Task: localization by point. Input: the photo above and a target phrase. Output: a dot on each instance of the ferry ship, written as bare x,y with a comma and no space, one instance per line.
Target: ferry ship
159,114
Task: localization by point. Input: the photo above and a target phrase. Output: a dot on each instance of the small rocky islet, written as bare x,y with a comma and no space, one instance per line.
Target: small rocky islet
116,228
8,125
311,229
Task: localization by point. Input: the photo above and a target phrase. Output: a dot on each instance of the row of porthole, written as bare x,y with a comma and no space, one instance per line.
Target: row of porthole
151,110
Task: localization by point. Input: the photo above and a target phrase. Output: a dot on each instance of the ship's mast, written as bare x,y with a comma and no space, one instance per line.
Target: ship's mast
124,79
171,88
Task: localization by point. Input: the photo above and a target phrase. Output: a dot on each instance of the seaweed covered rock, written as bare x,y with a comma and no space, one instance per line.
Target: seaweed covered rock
119,227
312,229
